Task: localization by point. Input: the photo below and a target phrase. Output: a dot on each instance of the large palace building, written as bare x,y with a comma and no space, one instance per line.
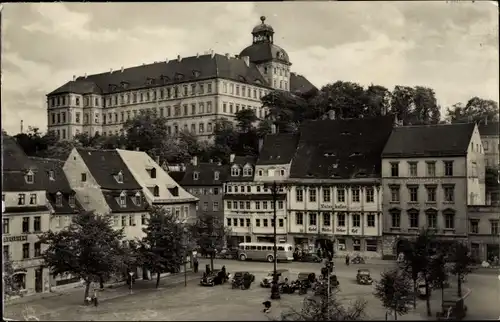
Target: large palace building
191,92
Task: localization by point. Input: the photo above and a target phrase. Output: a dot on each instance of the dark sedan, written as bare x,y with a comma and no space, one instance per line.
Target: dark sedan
310,258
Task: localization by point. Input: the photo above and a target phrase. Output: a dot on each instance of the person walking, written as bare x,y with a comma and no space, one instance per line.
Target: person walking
94,298
195,264
207,269
347,259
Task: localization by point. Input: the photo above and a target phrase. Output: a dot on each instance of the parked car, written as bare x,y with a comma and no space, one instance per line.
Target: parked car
214,278
363,277
310,258
282,274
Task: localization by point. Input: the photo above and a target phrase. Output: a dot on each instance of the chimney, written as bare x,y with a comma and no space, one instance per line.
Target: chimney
231,157
166,60
74,78
85,76
227,55
111,70
485,120
261,143
122,69
331,114
179,58
246,59
197,55
137,149
194,161
157,159
212,53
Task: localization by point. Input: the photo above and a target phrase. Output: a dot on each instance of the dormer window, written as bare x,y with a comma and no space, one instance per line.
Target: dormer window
58,199
179,76
123,199
196,175
282,172
174,191
149,81
138,198
119,177
235,171
30,177
156,191
247,171
196,73
216,175
72,201
260,173
51,175
124,85
152,173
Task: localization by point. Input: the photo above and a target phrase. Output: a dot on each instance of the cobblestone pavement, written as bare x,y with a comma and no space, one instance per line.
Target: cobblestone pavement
173,301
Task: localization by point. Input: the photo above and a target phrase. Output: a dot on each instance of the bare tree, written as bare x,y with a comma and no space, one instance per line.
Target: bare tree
394,291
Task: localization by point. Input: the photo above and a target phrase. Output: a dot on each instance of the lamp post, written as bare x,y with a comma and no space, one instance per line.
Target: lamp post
184,230
275,293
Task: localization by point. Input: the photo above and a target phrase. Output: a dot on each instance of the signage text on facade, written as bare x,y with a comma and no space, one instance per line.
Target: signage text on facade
340,230
8,239
313,228
354,230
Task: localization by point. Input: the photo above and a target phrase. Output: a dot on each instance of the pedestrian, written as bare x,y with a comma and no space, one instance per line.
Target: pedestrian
94,298
207,269
347,259
195,264
318,252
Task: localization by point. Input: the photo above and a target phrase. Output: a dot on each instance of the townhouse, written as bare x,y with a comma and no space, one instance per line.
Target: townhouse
63,206
334,196
104,184
430,174
26,215
484,233
489,132
158,187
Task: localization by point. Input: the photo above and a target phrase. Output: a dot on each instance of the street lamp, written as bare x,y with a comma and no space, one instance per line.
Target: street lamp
275,293
184,244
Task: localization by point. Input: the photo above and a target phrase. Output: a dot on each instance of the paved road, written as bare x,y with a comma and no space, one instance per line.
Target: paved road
173,301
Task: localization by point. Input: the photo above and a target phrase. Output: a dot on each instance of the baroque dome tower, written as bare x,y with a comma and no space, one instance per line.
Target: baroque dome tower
272,60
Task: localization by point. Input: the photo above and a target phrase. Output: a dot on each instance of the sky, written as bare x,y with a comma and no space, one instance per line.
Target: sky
450,46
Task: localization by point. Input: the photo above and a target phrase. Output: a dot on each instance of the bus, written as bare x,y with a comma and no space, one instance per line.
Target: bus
264,252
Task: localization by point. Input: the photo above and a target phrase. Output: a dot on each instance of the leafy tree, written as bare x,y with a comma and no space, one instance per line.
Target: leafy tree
326,308
264,128
190,142
417,258
286,110
427,111
225,140
377,100
9,284
89,249
346,98
402,103
462,263
438,271
491,178
245,119
476,110
164,246
210,235
394,291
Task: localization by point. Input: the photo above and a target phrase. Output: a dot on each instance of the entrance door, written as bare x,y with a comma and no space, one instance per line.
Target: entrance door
39,280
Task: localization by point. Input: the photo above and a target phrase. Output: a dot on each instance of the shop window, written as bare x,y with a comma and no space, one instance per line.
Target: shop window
356,243
371,245
341,244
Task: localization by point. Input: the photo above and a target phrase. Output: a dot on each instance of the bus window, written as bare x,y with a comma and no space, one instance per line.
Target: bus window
242,247
259,248
281,248
269,248
290,248
247,247
253,247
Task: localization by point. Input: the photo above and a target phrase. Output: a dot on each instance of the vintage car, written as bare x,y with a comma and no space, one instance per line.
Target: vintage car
227,253
238,280
214,278
363,277
310,258
306,277
282,274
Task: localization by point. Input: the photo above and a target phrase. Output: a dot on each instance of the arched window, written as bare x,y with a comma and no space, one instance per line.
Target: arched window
156,191
153,173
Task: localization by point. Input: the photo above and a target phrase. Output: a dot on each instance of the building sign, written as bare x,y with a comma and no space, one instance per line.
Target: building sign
325,206
354,230
313,228
326,229
341,206
3,207
21,238
340,230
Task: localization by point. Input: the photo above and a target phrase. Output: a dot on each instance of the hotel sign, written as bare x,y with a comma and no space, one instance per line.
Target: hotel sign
340,206
340,230
21,238
313,228
325,206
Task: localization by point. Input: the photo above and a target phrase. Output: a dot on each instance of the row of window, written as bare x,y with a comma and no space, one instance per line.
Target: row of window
431,192
341,219
215,206
341,194
247,189
235,108
206,191
26,225
37,247
414,219
243,91
236,170
430,169
271,172
245,222
370,245
247,205
474,227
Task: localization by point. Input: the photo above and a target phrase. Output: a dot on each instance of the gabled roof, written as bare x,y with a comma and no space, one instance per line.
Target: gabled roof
104,165
206,174
341,149
241,162
113,200
429,140
59,182
300,84
278,149
13,156
139,164
177,176
188,69
489,129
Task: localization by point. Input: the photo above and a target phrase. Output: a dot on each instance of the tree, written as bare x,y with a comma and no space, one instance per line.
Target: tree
163,247
285,110
89,249
438,271
225,140
417,258
462,263
245,119
11,288
326,308
402,103
346,98
210,235
491,178
377,100
394,291
476,110
427,111
264,128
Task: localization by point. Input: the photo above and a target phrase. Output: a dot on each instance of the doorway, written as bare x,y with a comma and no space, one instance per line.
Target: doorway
39,280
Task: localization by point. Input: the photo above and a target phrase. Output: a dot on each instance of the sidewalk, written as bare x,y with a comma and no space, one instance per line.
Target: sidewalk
110,291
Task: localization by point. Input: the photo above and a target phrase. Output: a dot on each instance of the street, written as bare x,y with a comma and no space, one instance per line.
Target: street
173,301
